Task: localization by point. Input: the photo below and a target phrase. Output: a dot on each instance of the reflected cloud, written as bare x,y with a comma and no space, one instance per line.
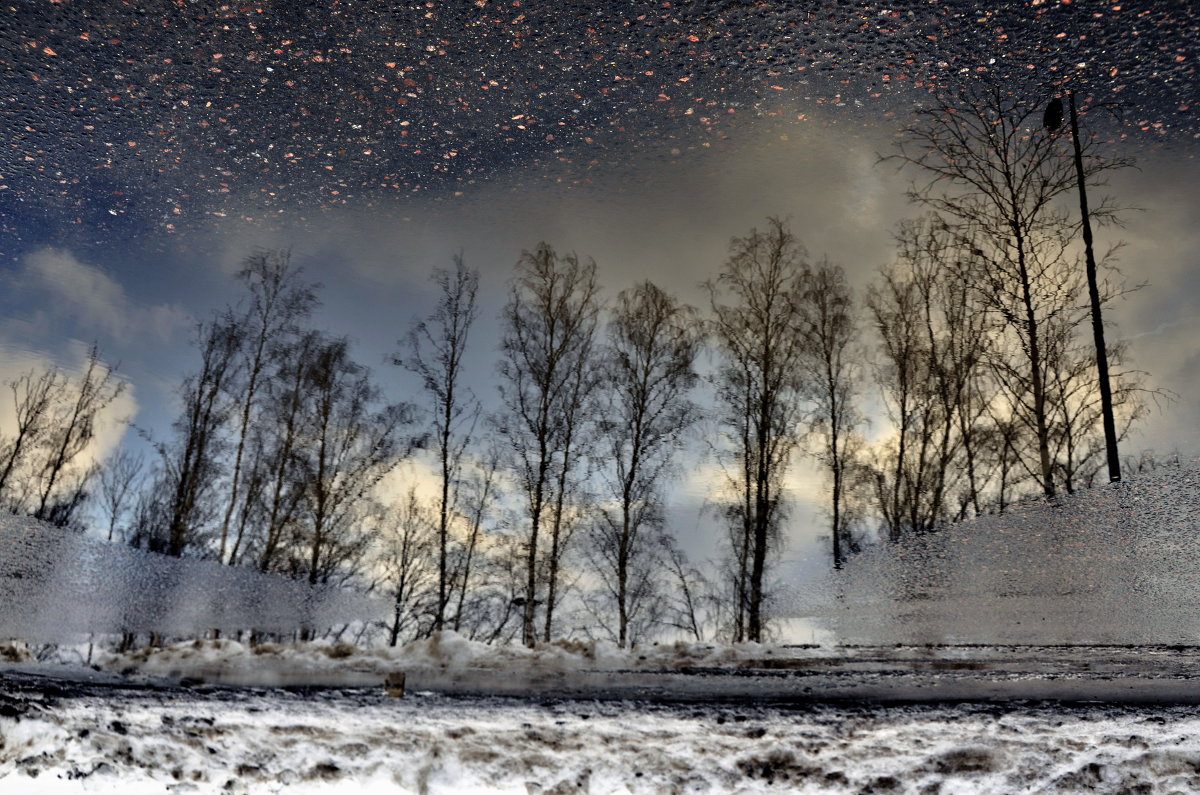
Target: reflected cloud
95,301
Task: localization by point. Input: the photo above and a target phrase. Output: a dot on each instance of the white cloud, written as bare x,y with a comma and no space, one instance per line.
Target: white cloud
416,473
96,301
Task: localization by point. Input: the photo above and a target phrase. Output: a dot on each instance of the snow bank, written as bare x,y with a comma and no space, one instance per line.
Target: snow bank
59,586
232,662
1115,564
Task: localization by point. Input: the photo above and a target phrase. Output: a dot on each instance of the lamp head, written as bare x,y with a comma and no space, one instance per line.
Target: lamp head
1054,115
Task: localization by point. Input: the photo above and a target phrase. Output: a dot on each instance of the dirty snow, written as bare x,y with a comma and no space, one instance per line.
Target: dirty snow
132,727
231,659
262,740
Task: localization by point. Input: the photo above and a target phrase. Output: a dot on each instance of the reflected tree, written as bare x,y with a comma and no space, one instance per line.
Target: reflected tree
647,373
757,329
999,184
44,467
929,370
407,557
349,442
278,299
117,482
546,375
481,497
833,374
72,431
190,465
278,448
33,398
434,350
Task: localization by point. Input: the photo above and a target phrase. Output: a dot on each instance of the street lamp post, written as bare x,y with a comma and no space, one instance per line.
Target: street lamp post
1053,120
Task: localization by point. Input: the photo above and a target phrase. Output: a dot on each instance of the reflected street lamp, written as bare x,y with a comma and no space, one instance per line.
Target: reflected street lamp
1052,120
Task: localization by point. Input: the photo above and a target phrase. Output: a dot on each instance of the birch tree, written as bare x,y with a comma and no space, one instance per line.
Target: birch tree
278,300
757,331
190,465
74,427
545,369
833,373
33,399
350,442
435,348
1000,182
118,478
647,371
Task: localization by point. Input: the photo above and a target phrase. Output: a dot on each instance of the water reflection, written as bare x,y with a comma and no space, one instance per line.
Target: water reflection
60,586
1114,564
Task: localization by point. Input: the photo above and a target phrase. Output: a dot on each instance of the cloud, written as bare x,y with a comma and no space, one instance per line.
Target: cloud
415,473
96,301
670,219
1160,322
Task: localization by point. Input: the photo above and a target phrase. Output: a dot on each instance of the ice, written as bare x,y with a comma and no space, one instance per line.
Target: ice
56,586
1115,564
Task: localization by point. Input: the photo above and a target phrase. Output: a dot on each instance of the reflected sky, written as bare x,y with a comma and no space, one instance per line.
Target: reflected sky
147,147
124,118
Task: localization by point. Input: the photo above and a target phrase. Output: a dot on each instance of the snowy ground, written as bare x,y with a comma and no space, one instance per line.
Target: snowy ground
343,740
133,728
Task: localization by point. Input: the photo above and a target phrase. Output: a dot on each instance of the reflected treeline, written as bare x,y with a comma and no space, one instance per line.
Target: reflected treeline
968,354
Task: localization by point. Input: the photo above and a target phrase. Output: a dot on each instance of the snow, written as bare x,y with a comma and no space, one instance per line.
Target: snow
94,732
361,741
229,661
1118,565
134,727
57,586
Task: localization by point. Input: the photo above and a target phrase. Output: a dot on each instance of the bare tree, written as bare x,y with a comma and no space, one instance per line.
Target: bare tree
118,479
73,429
690,602
147,528
278,300
549,325
647,371
893,302
434,351
247,520
409,546
349,444
932,345
496,606
998,181
481,495
34,396
833,373
757,329
1079,444
190,466
281,446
